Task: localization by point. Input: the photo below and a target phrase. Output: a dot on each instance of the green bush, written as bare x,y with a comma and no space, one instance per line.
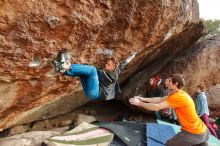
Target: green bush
212,27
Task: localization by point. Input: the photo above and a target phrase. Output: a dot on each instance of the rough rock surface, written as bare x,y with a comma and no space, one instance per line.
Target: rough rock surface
31,32
34,138
213,93
200,64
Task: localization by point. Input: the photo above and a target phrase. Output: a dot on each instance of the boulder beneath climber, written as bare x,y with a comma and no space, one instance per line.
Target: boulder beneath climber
32,32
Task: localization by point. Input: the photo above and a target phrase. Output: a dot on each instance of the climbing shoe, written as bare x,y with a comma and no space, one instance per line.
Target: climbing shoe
57,66
61,58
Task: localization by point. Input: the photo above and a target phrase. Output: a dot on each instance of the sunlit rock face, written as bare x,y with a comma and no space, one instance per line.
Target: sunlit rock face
31,33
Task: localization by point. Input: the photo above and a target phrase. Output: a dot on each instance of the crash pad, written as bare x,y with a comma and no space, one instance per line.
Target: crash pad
158,134
212,140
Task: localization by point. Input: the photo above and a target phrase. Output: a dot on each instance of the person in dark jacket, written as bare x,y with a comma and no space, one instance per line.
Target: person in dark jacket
153,90
96,83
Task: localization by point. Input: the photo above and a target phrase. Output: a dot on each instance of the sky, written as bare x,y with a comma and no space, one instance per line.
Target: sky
209,9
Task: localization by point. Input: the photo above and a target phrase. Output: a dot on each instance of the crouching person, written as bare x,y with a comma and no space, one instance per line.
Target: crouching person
193,130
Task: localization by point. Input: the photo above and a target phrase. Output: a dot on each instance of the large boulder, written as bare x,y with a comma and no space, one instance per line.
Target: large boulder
31,33
200,64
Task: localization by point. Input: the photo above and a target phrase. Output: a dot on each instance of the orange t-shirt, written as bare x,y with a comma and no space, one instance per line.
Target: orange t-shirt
184,108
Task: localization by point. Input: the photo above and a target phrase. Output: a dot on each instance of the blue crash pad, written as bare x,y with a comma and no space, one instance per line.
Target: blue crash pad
158,134
212,140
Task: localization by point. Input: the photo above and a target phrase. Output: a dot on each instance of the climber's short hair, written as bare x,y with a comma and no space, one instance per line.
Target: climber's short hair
178,78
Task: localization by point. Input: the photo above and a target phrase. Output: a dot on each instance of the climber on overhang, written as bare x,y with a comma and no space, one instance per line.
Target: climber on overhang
96,83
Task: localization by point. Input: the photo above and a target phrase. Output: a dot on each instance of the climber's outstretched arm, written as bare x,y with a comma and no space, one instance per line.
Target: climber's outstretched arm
124,62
